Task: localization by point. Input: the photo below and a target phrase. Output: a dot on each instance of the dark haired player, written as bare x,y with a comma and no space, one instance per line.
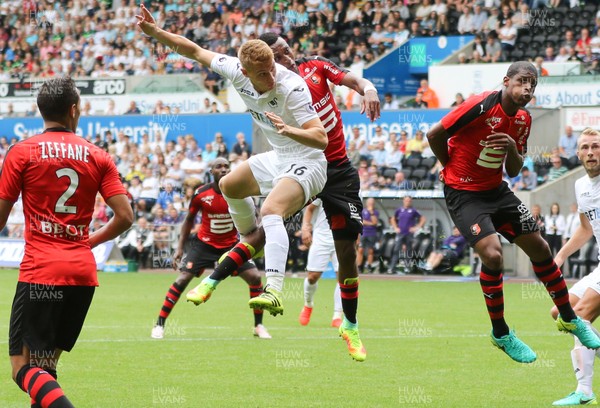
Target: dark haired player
58,175
474,142
340,196
216,235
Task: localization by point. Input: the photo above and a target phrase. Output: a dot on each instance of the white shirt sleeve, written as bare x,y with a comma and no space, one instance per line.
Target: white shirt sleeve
228,67
299,104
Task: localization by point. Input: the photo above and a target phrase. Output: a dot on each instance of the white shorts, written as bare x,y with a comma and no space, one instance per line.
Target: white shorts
320,253
310,173
590,281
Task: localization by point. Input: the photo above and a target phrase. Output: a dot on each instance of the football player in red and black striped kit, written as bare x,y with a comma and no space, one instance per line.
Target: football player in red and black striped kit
58,175
475,142
216,235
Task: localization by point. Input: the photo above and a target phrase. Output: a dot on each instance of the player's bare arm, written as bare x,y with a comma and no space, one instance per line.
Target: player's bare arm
582,234
370,102
514,160
438,141
184,233
118,224
5,208
312,133
177,43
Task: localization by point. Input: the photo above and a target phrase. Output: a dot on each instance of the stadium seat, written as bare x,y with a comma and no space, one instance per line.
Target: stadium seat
590,8
407,172
428,162
389,173
517,55
539,38
524,39
425,185
419,174
574,13
412,162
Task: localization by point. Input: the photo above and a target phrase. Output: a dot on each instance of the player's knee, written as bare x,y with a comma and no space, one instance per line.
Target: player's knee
586,311
228,188
185,277
313,277
492,258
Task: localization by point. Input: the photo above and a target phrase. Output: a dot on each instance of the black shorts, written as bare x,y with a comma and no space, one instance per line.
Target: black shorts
201,256
47,317
341,201
478,214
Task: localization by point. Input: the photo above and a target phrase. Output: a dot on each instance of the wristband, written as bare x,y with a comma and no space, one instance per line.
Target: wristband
369,87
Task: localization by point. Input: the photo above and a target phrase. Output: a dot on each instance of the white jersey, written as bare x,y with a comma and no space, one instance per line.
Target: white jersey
290,100
587,192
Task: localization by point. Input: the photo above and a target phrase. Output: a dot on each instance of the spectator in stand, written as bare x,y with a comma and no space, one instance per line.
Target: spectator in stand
539,61
241,145
458,99
573,55
493,49
527,180
194,170
465,21
400,182
150,189
521,17
430,24
361,142
389,102
379,136
492,25
563,55
536,214
508,36
506,15
415,30
595,43
583,42
166,196
402,34
416,145
377,36
137,244
477,58
208,154
175,174
418,102
479,18
133,109
590,61
567,144
429,95
569,42
479,45
557,170
549,55
379,154
555,228
393,158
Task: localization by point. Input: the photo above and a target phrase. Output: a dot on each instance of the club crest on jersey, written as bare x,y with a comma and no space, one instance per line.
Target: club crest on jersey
208,199
475,229
493,122
315,79
273,103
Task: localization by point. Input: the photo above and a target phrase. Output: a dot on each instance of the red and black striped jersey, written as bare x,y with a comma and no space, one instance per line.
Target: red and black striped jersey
472,165
216,227
316,71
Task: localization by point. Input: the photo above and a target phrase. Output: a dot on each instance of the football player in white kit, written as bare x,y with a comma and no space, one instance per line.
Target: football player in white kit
585,294
289,175
317,235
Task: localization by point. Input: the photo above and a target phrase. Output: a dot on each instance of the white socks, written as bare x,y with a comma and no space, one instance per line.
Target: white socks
583,364
337,300
309,292
243,213
276,250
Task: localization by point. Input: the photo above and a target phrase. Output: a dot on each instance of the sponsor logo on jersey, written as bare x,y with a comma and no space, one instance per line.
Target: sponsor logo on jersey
310,108
246,92
208,199
299,89
315,79
332,69
475,229
520,122
493,122
273,103
221,60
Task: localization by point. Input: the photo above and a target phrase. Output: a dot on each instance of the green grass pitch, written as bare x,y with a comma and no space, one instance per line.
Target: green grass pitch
427,344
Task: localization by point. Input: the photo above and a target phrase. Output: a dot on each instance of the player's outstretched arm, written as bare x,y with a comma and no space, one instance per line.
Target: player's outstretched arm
118,224
438,141
312,133
177,43
370,102
184,233
581,235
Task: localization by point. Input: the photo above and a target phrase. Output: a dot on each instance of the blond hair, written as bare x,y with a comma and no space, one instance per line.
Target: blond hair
255,52
587,132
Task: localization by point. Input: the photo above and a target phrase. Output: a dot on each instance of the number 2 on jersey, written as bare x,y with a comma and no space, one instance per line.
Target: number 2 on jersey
60,206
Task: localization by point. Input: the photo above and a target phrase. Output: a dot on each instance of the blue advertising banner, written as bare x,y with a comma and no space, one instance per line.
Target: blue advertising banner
399,71
202,126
